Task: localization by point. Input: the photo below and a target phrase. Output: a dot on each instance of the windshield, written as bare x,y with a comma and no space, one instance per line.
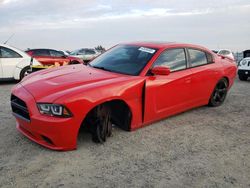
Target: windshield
124,59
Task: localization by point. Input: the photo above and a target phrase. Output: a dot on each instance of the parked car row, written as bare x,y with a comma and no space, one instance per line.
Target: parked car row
15,63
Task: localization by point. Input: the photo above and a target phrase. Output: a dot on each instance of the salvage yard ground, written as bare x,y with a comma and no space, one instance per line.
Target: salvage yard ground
204,147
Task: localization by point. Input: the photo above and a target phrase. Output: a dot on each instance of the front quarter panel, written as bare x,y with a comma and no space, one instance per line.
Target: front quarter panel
80,102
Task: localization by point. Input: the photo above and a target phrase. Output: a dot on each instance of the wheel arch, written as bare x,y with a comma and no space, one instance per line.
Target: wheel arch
19,67
119,108
17,72
227,79
229,83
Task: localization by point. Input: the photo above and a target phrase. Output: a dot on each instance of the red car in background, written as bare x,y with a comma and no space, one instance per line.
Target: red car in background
130,85
50,57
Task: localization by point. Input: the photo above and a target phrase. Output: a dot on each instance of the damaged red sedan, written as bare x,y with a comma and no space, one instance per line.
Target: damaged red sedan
130,86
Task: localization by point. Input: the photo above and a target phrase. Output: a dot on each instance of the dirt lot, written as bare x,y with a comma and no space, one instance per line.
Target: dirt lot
204,147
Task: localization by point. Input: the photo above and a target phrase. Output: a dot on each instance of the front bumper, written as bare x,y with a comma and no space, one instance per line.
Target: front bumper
51,132
244,72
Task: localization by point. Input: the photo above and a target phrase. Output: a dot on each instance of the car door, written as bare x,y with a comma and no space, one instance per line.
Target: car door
9,60
58,57
205,74
43,56
167,95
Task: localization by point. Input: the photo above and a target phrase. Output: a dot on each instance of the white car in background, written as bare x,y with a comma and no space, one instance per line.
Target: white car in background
244,69
86,54
227,53
14,63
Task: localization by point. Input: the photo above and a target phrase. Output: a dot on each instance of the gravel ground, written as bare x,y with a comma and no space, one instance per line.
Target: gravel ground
204,147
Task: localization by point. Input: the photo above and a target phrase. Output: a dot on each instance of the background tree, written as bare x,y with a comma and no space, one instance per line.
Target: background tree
100,48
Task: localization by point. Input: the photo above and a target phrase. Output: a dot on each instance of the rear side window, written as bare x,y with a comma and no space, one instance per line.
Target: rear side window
175,59
197,57
8,53
224,52
210,58
41,53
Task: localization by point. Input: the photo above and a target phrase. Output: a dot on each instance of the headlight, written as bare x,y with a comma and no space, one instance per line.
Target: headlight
54,110
243,62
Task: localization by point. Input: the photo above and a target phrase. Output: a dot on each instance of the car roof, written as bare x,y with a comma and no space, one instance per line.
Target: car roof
21,52
160,45
41,49
85,49
225,50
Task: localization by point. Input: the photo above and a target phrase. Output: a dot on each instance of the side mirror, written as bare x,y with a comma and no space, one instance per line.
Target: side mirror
160,71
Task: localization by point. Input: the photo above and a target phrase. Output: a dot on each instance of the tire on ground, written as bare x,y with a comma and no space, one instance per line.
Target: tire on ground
23,72
219,93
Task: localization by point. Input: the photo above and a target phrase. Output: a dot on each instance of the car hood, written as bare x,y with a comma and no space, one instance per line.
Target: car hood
50,82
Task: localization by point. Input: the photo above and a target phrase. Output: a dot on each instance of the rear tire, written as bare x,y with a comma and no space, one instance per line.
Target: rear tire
219,94
243,77
24,72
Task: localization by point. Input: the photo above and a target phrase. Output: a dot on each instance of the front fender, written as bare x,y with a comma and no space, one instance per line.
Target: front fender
128,91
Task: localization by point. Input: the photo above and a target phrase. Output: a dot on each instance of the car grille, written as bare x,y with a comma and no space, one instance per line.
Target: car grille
19,108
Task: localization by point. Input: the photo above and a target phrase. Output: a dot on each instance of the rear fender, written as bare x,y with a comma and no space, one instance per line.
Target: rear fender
17,72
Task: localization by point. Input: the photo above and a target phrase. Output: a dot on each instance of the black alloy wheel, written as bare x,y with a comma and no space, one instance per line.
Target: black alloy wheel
219,94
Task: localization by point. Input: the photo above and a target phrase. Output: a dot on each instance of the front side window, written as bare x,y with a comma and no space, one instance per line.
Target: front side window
55,53
175,59
8,53
125,59
197,57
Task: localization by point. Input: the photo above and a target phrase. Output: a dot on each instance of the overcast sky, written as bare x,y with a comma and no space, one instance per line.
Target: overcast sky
71,24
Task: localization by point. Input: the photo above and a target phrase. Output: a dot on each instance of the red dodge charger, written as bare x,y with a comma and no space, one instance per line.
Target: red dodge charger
130,85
